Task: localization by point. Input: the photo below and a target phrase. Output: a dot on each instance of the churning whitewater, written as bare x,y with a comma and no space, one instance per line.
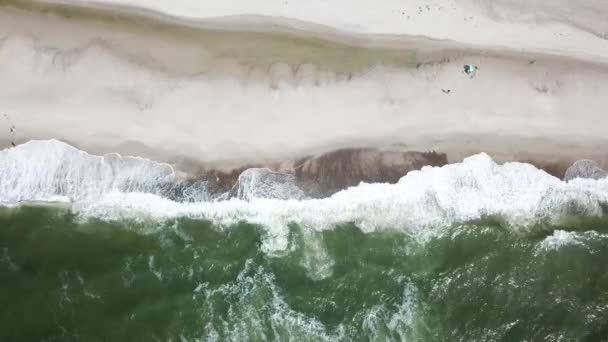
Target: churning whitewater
422,203
136,251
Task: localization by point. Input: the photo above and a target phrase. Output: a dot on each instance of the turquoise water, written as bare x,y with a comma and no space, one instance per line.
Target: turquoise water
65,278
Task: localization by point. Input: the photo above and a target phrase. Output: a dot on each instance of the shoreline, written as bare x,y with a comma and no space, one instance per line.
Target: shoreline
323,174
52,171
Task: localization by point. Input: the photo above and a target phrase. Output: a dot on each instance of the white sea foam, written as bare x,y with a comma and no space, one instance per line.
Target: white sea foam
55,171
561,238
264,183
399,319
245,321
421,203
558,239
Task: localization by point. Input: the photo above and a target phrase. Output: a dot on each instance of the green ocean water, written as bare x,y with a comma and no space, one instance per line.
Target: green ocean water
69,279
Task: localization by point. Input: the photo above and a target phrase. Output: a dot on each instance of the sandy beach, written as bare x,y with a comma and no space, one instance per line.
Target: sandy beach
261,86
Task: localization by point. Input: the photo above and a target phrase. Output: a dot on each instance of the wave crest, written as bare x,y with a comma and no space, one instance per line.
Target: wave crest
422,202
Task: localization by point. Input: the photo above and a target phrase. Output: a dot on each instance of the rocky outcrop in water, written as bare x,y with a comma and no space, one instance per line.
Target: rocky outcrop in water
323,175
585,169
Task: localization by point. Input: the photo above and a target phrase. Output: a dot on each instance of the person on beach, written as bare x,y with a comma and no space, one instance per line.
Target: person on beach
470,70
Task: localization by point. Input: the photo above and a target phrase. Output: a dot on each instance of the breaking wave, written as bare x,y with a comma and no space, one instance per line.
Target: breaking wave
113,187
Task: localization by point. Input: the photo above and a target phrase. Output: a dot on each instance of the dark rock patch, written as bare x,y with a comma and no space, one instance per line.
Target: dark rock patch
324,175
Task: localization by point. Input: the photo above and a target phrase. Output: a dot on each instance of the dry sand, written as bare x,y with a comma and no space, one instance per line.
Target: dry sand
251,89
